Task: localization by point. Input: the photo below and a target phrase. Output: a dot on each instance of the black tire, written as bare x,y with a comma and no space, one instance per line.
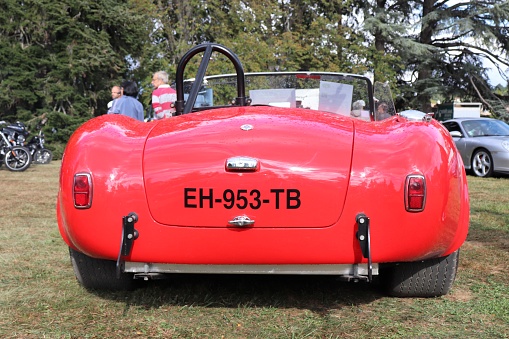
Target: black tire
427,278
100,274
17,159
482,163
42,156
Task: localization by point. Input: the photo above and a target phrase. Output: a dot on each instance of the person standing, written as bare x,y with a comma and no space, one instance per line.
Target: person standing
163,96
116,92
127,104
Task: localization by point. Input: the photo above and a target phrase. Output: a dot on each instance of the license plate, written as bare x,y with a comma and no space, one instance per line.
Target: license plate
278,198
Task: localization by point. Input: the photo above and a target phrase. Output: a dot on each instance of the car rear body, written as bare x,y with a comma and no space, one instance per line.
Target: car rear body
314,177
266,188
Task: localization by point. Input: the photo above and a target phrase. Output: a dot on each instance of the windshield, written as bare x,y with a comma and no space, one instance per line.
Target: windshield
477,128
337,93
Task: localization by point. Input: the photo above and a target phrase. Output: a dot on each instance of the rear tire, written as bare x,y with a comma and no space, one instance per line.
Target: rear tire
17,159
99,274
427,278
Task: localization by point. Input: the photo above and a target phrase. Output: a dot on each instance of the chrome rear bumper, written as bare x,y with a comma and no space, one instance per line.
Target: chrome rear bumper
355,271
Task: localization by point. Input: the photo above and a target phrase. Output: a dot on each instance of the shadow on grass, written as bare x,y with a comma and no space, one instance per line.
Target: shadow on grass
497,175
318,294
492,237
491,228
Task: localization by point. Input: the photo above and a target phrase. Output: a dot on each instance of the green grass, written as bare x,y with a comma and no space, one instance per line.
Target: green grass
40,298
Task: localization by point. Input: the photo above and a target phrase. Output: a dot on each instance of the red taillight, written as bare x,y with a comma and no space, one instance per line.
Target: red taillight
82,190
415,193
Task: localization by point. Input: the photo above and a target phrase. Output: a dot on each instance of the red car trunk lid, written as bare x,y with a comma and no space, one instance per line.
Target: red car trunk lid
300,165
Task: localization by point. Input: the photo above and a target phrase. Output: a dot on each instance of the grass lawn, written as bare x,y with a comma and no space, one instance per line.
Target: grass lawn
40,298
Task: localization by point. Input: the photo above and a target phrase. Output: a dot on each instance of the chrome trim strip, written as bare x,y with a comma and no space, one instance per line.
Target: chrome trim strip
325,269
232,75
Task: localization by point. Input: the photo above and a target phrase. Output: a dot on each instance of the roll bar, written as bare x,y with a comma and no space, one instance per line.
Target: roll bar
184,107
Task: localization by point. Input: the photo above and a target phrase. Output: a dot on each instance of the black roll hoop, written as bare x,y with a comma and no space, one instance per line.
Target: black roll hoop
183,107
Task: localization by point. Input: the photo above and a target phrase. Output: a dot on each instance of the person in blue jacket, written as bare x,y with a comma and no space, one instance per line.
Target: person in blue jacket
127,104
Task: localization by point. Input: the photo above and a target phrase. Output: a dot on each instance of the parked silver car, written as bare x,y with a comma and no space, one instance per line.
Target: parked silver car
483,144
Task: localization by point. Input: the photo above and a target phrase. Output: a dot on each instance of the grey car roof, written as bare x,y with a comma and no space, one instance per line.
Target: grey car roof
466,119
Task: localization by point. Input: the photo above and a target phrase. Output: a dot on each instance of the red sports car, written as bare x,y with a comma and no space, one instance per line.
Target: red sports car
266,173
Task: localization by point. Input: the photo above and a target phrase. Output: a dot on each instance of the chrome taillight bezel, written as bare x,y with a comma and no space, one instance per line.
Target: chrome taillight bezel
89,190
408,181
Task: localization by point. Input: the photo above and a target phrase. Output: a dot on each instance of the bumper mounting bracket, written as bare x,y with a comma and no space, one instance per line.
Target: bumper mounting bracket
363,236
129,234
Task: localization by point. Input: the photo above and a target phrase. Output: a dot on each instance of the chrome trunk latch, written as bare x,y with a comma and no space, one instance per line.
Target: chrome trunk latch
241,164
241,221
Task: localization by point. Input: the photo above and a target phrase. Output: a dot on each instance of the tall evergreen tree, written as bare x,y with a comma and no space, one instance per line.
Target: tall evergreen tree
64,56
436,48
462,34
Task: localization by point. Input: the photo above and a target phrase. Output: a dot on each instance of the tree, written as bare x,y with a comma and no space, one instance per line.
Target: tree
462,34
64,56
435,48
266,34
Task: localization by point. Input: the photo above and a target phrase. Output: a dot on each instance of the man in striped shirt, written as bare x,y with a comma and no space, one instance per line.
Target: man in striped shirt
163,96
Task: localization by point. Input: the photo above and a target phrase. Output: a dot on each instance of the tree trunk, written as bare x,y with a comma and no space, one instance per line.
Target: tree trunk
424,71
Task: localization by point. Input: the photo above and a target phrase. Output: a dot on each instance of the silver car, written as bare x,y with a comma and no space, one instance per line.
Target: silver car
483,144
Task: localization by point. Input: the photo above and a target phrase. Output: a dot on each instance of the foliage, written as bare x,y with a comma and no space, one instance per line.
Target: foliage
65,56
59,129
435,49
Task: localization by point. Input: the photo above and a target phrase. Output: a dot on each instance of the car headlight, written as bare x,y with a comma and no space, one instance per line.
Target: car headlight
505,144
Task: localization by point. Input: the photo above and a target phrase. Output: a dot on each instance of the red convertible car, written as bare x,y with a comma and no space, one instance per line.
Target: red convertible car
266,173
